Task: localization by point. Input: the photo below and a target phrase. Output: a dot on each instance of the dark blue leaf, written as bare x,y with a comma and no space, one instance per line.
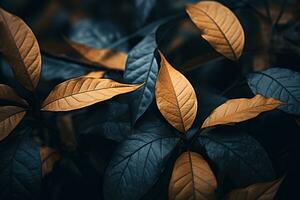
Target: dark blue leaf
141,66
137,163
143,9
279,83
237,159
20,168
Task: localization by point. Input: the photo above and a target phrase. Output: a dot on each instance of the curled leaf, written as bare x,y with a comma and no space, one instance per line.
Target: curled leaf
84,91
108,58
237,110
219,26
21,50
259,191
48,158
175,97
7,93
10,117
192,178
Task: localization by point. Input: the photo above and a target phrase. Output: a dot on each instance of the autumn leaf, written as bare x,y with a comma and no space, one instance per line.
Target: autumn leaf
21,50
192,178
175,97
219,26
10,117
108,58
7,93
259,191
95,74
237,110
84,91
48,158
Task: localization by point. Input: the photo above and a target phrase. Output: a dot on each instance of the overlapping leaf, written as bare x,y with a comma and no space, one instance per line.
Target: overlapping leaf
81,92
7,93
10,117
175,97
192,178
141,66
20,48
108,58
259,191
237,110
48,158
95,74
20,167
137,164
279,83
219,26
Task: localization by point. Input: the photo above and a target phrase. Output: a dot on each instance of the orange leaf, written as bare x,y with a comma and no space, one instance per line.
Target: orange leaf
48,158
95,74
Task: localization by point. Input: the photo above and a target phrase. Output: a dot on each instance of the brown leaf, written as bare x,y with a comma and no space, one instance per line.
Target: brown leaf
48,158
237,110
175,97
259,191
10,117
95,74
66,132
7,93
219,26
21,50
84,91
192,178
108,58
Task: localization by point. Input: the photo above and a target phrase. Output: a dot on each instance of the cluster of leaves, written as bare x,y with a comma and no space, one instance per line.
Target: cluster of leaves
171,137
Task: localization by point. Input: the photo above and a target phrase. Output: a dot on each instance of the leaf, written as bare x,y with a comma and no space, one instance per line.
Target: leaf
7,93
20,169
237,158
192,178
67,133
48,159
278,83
238,110
81,92
21,50
137,164
143,9
219,26
108,58
141,66
10,117
175,97
259,191
95,74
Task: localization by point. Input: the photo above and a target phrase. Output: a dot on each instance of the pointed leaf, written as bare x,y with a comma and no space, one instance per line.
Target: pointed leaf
20,167
237,158
238,110
137,164
192,178
10,117
219,26
7,93
175,97
48,159
21,50
81,92
259,191
278,83
108,58
141,66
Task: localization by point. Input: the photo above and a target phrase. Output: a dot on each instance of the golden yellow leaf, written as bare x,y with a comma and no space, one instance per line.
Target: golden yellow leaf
21,50
219,26
7,93
192,178
95,74
259,191
84,91
237,110
10,117
48,158
108,58
175,97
